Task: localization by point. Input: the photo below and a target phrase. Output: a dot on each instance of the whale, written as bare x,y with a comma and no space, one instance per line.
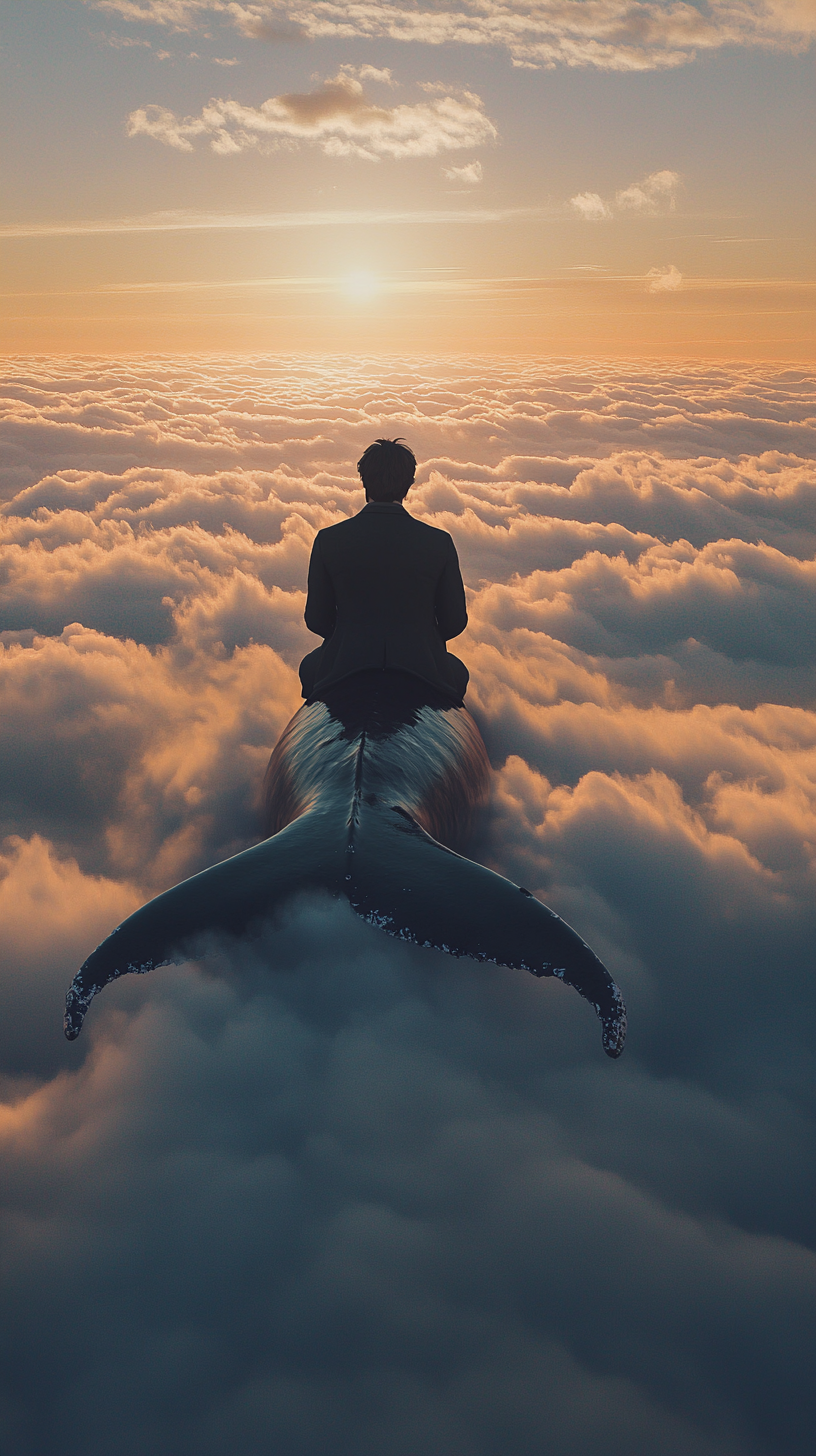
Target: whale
371,794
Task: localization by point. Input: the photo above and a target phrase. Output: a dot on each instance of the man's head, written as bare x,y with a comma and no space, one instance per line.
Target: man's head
387,469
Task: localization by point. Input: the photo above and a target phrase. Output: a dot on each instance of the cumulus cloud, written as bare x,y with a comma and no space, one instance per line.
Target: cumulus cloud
616,35
664,280
653,194
382,74
337,116
591,207
427,1210
657,190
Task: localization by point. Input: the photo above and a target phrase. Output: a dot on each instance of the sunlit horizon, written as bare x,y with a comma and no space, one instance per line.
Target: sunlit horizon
510,183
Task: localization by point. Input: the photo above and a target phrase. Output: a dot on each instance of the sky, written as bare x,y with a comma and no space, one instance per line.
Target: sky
579,177
323,1193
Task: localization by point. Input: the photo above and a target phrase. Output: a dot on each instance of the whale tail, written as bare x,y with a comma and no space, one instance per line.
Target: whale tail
227,898
394,875
357,787
416,889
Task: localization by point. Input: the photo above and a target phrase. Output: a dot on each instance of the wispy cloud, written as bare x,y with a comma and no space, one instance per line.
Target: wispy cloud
470,175
614,35
579,276
337,116
326,284
124,42
184,221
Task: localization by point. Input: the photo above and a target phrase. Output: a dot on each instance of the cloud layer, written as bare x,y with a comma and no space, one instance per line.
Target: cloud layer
341,1196
616,35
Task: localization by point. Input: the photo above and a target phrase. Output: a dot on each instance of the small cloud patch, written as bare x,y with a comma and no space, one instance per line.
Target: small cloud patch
664,280
470,175
591,207
653,194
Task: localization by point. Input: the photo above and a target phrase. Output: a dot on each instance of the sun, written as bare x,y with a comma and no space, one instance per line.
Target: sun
361,285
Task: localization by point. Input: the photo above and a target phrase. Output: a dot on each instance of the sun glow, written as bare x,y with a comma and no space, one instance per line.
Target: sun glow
361,286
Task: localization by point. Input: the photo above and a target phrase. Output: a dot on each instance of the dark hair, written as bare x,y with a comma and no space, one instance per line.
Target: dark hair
387,469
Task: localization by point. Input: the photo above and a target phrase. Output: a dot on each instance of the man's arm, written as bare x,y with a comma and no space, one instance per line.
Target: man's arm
449,604
321,605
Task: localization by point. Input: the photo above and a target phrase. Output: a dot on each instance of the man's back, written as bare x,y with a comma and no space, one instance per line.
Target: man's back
385,590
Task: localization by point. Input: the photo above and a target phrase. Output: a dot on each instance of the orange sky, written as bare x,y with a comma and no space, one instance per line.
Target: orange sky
181,180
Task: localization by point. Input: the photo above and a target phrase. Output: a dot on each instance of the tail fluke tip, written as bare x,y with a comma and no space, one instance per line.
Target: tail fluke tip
613,1021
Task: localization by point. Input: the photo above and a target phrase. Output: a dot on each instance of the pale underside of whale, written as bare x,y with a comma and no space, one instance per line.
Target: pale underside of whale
369,792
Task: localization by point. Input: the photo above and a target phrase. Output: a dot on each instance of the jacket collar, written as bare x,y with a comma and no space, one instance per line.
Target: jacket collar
375,506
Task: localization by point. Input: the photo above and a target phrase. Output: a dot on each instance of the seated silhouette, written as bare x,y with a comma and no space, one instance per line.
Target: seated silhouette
385,590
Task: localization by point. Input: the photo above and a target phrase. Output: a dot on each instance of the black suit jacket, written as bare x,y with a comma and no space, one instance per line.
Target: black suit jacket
385,590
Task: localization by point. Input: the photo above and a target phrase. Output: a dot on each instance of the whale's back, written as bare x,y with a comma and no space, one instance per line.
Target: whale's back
380,739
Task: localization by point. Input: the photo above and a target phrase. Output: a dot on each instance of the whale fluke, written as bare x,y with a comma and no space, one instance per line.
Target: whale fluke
226,899
366,792
416,889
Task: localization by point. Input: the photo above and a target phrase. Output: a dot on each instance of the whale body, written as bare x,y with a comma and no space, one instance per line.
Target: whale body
369,794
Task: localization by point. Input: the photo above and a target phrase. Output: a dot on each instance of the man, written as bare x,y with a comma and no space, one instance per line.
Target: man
385,590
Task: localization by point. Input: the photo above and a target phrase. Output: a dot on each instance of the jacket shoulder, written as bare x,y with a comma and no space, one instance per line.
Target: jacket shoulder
361,524
432,538
328,531
433,533
337,531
